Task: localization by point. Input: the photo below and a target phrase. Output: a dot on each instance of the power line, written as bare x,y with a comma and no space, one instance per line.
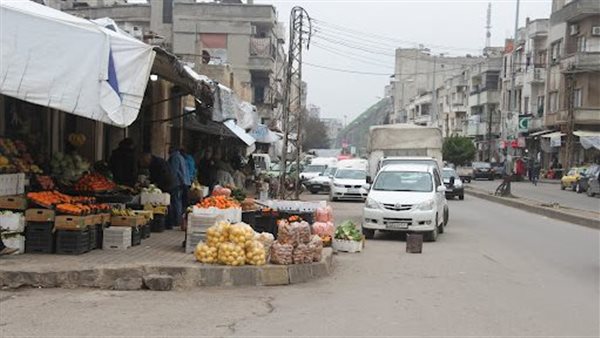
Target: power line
353,56
342,70
354,46
354,39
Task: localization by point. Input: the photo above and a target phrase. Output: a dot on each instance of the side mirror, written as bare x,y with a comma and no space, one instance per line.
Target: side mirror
330,177
369,180
367,186
441,188
452,180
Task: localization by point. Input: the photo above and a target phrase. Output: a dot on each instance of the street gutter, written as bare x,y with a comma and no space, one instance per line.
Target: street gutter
580,217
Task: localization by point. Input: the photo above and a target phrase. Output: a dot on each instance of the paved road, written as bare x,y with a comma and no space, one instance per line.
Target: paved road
496,271
545,193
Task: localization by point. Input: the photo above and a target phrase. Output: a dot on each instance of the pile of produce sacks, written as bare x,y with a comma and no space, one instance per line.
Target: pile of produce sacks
232,244
294,244
323,226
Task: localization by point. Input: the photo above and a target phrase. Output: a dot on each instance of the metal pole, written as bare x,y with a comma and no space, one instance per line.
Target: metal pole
434,96
570,120
300,113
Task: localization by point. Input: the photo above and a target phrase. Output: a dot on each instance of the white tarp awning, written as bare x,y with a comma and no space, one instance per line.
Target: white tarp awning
262,134
538,133
239,132
54,59
553,135
588,139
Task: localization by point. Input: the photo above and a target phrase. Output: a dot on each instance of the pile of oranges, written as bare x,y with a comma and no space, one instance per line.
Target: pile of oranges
221,202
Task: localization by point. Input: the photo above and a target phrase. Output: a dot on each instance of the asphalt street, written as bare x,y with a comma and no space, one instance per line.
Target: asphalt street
496,271
545,193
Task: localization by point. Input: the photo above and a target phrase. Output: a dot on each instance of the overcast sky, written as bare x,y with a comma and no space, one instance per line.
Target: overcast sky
445,26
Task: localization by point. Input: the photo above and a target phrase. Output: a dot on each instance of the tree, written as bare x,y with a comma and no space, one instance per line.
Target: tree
458,150
314,135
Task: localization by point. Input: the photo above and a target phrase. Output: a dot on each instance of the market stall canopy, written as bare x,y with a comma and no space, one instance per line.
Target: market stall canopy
554,134
227,128
538,133
588,139
239,132
262,134
71,64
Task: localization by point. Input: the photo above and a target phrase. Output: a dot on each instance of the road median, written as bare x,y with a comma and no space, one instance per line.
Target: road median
581,217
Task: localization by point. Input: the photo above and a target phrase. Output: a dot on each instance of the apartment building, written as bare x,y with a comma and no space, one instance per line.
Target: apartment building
238,44
573,81
454,98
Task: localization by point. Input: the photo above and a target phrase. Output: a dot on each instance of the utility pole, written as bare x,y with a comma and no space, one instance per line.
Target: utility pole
300,33
489,135
570,82
434,95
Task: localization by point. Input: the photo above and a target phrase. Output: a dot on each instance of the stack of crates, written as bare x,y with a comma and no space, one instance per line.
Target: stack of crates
197,224
39,234
104,220
118,238
72,242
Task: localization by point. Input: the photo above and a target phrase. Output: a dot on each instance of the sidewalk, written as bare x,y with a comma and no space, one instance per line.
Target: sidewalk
586,218
161,254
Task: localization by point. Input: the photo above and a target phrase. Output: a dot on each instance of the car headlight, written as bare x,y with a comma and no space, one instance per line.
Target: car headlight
338,185
425,206
372,204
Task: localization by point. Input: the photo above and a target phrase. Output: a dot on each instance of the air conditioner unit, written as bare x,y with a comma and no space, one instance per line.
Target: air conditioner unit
573,29
596,31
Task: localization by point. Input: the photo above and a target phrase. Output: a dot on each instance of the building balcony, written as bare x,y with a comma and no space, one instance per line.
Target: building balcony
582,115
536,75
483,97
262,55
481,128
582,60
538,28
575,11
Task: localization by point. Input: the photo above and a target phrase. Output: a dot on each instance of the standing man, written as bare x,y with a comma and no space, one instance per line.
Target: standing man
190,164
123,163
163,178
182,180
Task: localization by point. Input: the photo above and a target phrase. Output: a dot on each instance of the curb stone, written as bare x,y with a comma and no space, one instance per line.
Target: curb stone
135,277
537,209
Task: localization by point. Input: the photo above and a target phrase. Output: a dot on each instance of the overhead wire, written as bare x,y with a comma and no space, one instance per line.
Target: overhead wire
354,56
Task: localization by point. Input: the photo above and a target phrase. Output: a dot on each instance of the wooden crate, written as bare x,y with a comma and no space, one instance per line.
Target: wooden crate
105,218
68,222
127,221
40,215
16,202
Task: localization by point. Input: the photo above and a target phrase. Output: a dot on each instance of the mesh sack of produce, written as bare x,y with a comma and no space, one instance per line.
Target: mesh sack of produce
302,254
323,229
324,214
217,234
231,254
286,233
266,239
303,230
255,253
205,253
281,253
316,247
240,233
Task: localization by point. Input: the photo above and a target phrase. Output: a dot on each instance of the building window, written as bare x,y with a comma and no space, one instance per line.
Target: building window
553,102
526,105
259,94
555,51
167,11
577,98
540,105
581,44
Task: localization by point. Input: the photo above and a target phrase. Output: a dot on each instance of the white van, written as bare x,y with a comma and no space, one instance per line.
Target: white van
406,198
349,180
317,167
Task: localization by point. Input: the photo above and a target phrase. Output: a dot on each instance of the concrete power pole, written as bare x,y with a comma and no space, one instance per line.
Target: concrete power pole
293,110
570,119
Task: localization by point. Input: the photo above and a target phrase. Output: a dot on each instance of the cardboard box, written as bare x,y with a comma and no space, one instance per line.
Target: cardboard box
152,198
67,222
40,215
12,184
127,221
13,202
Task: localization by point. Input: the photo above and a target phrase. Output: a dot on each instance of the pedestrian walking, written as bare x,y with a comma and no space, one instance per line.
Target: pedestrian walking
537,167
179,169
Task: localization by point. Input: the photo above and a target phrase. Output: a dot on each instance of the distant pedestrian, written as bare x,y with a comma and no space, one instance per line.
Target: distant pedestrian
162,177
536,172
179,169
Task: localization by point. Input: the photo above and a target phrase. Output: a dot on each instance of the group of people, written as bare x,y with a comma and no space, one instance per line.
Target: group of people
176,174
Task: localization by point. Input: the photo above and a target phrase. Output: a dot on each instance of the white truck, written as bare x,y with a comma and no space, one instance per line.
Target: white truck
403,143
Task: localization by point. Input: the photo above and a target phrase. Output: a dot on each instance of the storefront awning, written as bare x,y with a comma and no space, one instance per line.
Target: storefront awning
553,135
239,132
262,134
55,59
588,139
538,133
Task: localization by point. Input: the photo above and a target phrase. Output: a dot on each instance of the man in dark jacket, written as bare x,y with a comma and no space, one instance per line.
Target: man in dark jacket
123,163
163,178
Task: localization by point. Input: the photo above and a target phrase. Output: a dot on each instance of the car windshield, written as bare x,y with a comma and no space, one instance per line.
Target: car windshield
447,173
351,174
480,165
330,171
404,181
315,168
402,161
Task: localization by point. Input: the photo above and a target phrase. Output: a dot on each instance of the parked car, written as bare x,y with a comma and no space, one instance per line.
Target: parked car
406,198
498,168
312,170
453,183
584,182
593,180
320,183
349,184
572,177
483,170
465,172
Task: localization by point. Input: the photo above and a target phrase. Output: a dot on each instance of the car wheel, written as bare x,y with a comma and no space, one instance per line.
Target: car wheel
461,196
491,178
574,187
369,233
578,188
433,234
562,187
314,191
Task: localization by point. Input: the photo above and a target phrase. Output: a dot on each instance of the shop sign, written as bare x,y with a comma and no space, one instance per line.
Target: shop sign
555,141
514,144
524,121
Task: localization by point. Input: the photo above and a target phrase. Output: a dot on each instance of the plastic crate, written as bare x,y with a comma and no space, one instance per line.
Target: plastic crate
192,239
146,230
39,237
158,223
93,234
116,238
249,217
266,223
136,236
201,222
72,242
